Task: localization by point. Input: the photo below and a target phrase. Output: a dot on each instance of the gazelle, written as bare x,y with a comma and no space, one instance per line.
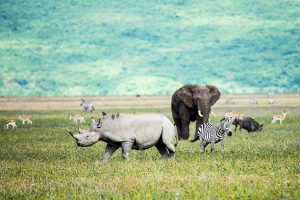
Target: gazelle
279,118
76,118
234,115
25,118
253,101
271,101
87,106
11,123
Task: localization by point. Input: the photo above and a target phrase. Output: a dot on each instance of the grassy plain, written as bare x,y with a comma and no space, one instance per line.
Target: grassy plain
43,162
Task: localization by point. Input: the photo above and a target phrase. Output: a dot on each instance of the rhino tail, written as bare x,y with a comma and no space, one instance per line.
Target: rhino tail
176,140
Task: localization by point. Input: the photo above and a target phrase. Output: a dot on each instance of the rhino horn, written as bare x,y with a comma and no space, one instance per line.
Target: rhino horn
71,133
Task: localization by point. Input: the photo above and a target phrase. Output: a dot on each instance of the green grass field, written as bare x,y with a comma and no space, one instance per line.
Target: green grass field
43,162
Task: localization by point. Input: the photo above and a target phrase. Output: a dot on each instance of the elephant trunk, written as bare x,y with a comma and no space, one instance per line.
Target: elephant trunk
203,110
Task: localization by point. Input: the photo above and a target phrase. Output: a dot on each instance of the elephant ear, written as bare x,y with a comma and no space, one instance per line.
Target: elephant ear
215,94
186,96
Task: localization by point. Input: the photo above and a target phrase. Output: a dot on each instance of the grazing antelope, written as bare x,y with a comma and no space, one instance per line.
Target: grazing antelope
25,118
87,106
76,118
253,101
230,101
11,123
271,101
279,118
234,115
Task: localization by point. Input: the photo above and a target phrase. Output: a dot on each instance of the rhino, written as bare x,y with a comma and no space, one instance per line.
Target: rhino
128,132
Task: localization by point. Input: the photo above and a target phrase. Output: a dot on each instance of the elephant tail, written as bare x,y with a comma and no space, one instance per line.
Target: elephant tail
195,138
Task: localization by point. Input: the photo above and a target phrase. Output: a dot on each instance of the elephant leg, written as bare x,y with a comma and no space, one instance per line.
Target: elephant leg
110,149
178,126
126,148
162,149
185,130
198,123
185,118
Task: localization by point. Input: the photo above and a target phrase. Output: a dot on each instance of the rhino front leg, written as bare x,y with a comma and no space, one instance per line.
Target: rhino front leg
110,149
126,148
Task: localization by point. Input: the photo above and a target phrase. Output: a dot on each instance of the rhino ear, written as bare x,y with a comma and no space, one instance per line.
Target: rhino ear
104,114
80,130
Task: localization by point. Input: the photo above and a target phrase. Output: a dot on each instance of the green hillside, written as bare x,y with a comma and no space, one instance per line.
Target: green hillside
88,47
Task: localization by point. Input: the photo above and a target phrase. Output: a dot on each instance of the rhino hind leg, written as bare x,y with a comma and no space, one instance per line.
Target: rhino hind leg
171,149
162,149
126,148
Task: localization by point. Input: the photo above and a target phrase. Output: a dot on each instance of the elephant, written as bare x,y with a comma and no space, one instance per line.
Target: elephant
192,103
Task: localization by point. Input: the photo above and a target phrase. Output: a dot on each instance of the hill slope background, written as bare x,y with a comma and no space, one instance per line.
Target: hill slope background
131,47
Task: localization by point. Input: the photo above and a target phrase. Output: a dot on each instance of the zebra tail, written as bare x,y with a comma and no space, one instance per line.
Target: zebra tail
195,138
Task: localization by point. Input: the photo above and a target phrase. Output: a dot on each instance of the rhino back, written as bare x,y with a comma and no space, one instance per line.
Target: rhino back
143,130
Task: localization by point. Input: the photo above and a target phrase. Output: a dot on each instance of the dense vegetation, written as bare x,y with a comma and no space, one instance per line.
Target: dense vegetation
42,161
87,47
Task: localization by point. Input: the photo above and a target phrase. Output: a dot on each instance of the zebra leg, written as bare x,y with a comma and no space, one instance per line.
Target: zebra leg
212,146
203,145
222,146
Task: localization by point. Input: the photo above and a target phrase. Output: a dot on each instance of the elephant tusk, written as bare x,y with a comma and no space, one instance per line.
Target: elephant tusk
199,113
213,114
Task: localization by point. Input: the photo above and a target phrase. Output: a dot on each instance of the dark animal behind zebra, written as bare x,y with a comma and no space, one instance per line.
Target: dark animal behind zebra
213,133
248,124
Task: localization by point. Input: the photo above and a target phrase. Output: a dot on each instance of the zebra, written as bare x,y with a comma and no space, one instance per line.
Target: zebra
253,101
87,106
213,133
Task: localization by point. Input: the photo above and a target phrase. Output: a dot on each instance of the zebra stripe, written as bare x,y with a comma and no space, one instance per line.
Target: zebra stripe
213,133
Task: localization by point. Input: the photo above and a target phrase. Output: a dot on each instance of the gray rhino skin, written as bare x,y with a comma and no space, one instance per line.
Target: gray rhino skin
130,132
